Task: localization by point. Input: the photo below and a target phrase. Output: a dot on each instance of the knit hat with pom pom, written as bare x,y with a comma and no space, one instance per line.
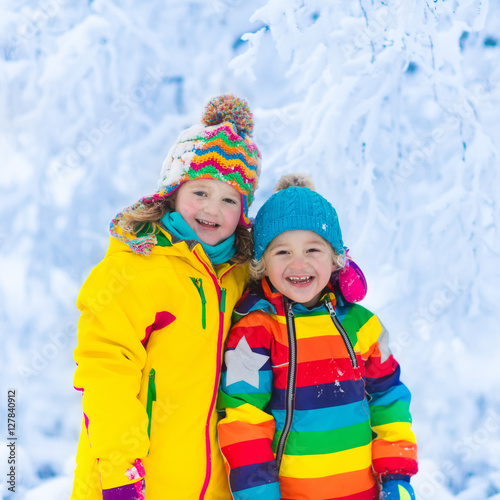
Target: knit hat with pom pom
296,206
220,148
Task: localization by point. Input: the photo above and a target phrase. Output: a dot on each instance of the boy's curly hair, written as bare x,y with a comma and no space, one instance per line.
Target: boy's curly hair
148,216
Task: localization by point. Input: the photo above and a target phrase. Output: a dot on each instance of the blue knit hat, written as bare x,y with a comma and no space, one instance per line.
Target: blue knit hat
296,208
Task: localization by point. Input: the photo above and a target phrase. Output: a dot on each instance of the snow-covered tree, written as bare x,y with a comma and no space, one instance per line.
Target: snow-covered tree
391,106
394,115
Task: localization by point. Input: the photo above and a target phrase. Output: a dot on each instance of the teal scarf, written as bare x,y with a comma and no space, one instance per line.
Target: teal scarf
218,254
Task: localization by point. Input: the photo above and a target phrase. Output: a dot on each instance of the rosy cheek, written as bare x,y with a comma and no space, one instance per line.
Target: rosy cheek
235,217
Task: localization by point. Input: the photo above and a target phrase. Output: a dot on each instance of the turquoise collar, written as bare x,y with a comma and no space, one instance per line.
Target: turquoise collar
218,254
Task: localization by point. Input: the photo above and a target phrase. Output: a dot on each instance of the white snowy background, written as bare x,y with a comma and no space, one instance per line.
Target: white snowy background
391,106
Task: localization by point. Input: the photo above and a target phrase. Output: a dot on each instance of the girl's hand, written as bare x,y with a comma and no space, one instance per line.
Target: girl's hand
133,491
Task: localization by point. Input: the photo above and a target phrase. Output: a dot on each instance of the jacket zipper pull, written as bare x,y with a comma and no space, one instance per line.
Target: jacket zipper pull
151,397
343,333
330,308
223,300
199,286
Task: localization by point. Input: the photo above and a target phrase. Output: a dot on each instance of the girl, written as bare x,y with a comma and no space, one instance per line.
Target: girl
154,316
314,406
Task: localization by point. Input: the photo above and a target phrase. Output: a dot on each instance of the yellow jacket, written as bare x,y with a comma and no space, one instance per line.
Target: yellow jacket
150,341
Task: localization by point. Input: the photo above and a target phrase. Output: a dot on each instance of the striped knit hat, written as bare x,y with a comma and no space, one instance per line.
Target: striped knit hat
221,148
296,208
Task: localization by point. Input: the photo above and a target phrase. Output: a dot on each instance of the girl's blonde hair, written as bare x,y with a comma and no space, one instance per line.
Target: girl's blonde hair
148,216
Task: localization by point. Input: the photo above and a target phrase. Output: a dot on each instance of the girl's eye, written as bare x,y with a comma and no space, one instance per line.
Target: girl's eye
230,200
313,250
200,193
281,252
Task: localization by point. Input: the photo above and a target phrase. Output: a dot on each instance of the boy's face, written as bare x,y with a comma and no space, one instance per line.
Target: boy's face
211,208
299,265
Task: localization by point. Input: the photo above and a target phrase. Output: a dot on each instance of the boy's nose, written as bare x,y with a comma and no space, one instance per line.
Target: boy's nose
298,263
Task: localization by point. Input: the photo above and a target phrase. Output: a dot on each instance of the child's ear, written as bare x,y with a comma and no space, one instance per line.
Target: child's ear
263,262
334,265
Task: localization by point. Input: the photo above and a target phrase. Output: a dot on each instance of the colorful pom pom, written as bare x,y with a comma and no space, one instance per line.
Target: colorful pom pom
229,108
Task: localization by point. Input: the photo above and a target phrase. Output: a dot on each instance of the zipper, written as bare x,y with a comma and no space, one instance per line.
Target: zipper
290,387
198,283
343,333
220,293
151,397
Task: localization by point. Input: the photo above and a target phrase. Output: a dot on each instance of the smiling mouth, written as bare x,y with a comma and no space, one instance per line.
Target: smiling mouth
302,280
206,223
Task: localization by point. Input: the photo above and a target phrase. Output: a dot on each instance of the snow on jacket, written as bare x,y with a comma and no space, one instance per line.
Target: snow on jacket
316,396
150,341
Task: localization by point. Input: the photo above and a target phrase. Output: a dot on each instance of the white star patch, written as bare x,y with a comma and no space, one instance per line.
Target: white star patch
243,364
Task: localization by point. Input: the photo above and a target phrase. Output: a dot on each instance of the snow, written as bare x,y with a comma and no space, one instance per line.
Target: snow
392,107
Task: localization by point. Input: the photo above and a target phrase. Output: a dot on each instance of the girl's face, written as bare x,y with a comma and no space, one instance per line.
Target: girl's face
299,265
211,208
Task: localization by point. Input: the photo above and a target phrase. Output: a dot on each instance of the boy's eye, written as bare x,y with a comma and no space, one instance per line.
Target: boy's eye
281,252
314,250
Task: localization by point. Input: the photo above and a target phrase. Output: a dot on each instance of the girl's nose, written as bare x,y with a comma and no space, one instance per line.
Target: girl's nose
211,207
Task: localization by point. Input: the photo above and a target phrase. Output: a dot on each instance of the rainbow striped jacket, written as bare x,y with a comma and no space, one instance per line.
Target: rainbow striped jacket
314,408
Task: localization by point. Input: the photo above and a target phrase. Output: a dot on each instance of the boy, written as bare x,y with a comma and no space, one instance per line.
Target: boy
314,406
